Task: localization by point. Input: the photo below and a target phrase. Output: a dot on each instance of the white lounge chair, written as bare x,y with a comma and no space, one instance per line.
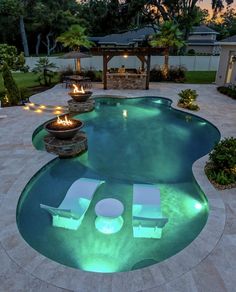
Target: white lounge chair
147,219
72,209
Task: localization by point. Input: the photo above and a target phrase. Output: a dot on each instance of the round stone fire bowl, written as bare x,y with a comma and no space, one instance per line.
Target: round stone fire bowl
80,97
63,132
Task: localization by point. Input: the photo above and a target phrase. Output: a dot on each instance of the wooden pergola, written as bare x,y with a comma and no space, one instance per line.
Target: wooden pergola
142,53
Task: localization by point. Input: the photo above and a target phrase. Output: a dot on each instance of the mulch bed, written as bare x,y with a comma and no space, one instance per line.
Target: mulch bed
181,105
38,89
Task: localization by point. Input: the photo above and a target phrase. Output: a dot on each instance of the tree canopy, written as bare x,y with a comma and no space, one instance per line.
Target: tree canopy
75,38
34,25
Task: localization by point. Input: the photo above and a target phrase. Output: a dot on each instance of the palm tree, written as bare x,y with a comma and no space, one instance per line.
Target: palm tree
169,36
75,38
218,5
44,68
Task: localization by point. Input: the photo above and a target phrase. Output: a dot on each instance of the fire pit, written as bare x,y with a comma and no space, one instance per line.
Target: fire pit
80,95
64,128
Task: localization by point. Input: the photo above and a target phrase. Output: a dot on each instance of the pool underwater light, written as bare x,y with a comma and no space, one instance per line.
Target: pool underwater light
198,206
125,113
100,263
158,101
109,225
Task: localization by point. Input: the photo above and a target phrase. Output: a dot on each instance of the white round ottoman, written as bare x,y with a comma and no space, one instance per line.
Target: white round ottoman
109,216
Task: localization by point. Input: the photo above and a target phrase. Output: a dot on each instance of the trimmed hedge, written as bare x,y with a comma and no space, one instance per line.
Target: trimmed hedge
228,90
13,95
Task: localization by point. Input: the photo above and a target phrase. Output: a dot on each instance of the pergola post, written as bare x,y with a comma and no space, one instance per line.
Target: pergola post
148,71
143,61
106,59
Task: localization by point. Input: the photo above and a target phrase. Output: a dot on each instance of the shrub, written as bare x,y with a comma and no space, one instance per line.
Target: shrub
228,90
44,68
66,72
220,177
13,95
25,94
95,76
90,74
223,155
176,74
187,99
223,162
191,52
9,55
188,95
193,107
156,75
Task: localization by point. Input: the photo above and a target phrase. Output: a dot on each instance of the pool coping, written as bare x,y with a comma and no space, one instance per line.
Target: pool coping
72,279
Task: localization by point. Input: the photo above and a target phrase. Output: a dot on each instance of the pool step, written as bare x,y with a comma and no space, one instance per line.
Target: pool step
41,108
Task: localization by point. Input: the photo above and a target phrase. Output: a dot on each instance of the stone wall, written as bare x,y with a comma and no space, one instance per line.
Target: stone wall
81,107
66,148
126,81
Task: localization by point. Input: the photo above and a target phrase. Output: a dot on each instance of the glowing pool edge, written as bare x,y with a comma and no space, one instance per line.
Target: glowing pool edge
216,215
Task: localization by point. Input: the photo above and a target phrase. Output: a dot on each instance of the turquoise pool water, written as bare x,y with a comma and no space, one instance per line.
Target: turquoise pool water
130,141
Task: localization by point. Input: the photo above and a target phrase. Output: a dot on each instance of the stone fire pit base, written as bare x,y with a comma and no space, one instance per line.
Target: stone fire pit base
66,148
81,107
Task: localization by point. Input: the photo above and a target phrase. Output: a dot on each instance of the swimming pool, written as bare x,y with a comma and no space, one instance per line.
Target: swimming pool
130,141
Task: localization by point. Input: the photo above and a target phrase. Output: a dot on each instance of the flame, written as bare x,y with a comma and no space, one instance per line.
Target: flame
64,122
76,89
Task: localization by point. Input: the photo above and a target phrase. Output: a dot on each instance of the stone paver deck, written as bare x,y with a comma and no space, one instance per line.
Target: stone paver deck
207,264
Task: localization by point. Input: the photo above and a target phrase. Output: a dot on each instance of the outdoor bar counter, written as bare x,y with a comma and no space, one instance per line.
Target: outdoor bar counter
126,80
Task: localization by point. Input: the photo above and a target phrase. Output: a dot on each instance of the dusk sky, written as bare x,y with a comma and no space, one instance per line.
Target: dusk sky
207,4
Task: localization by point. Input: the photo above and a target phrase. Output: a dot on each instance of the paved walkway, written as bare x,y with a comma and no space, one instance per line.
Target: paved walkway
207,264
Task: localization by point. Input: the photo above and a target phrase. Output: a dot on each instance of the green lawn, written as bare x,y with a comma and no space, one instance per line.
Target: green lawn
26,80
23,80
201,77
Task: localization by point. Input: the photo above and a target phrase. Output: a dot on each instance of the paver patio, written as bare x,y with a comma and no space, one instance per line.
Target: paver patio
207,264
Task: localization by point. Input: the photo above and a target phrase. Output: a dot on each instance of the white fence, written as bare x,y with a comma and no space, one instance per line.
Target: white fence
191,63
